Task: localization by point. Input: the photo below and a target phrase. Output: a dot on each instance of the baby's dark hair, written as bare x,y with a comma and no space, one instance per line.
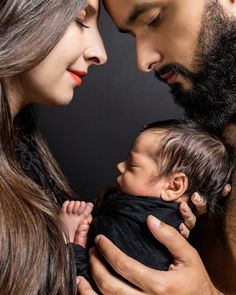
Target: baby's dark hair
207,160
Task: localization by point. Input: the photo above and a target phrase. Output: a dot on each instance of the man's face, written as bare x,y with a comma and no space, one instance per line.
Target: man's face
166,31
190,45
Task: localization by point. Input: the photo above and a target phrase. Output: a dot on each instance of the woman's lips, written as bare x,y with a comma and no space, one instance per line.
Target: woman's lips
76,75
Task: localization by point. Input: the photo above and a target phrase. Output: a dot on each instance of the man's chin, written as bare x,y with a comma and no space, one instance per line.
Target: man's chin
181,96
199,108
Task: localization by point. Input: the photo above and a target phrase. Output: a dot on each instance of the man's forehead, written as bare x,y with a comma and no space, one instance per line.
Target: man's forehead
122,11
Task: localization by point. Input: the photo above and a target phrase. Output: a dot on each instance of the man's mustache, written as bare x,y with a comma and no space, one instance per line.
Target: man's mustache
175,68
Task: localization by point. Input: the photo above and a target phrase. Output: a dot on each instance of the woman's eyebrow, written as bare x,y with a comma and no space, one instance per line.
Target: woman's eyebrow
139,10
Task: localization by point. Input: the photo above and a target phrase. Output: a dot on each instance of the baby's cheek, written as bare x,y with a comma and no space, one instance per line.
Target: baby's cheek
125,184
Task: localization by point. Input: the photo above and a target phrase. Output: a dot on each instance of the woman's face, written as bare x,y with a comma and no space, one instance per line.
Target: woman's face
53,81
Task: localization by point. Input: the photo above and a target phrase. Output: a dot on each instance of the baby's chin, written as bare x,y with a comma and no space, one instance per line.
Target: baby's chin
123,190
119,189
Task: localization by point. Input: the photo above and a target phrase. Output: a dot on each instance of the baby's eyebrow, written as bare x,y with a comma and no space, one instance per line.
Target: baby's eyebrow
131,155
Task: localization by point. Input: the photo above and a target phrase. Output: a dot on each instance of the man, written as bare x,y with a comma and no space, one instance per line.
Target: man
191,45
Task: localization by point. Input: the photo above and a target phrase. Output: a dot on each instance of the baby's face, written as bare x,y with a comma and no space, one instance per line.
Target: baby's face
138,174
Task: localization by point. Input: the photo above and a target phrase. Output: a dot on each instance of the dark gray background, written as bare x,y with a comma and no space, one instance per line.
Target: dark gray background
95,131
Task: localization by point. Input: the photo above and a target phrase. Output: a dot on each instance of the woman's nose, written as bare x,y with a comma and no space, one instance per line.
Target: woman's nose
96,54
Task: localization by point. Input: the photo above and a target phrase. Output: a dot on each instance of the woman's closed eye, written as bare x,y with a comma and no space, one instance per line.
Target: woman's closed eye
155,21
81,19
81,23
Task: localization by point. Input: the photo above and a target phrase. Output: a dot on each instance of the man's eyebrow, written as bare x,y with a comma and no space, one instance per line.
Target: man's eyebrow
90,9
139,10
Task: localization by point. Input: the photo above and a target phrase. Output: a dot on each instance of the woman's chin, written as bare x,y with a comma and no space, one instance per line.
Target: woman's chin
60,101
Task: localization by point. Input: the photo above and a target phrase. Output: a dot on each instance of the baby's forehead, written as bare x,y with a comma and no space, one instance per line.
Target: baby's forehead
148,140
151,134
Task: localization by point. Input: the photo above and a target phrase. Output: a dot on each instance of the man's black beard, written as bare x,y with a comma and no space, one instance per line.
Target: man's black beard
212,99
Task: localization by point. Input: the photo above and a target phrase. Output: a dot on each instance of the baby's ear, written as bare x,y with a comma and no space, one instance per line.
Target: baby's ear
176,187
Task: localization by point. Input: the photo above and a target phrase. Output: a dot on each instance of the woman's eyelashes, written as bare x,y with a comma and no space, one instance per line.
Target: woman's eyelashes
81,23
155,21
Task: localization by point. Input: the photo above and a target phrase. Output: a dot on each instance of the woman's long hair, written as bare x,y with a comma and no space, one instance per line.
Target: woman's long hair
33,256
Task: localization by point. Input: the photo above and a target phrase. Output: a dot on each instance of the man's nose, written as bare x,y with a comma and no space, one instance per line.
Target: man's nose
148,57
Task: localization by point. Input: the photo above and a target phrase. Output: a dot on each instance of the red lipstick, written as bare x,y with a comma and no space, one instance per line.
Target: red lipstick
77,75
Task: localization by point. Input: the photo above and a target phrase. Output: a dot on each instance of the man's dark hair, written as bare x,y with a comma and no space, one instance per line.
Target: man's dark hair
206,159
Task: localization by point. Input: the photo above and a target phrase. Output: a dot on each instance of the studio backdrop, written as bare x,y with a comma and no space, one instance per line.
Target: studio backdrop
91,135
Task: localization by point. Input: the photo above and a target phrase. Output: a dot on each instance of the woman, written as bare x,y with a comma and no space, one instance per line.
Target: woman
46,47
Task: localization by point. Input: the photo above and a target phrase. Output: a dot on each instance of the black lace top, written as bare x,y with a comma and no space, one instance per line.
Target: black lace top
26,151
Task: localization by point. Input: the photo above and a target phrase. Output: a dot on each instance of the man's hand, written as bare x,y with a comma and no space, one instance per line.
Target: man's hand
186,276
83,287
200,206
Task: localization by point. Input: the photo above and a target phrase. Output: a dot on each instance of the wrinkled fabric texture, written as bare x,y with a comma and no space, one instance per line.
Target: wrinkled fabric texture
122,218
31,164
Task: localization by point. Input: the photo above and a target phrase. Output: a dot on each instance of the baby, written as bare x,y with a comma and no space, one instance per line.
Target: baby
167,163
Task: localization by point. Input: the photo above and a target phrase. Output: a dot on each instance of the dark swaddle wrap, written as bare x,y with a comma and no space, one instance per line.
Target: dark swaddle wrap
122,218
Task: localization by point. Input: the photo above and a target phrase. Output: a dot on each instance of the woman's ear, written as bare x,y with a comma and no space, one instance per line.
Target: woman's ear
177,185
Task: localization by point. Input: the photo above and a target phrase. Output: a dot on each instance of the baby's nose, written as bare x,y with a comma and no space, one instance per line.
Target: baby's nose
121,167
